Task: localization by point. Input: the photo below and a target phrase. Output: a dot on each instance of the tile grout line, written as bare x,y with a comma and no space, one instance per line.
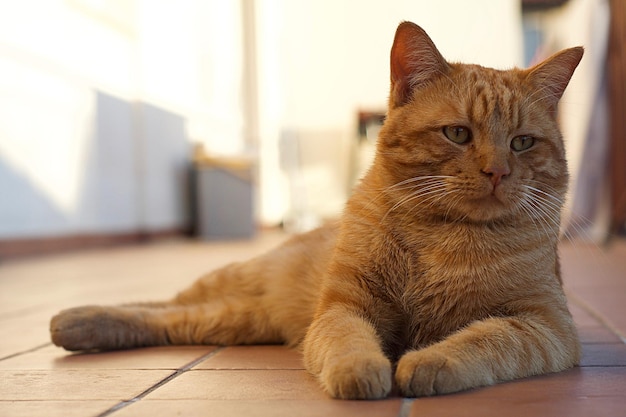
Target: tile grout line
178,372
585,306
23,352
405,407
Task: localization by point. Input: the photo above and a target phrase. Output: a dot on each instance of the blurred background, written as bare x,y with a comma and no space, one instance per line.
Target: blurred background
128,120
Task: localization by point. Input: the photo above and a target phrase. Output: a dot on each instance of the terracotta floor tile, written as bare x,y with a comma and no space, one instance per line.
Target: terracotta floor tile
596,278
53,408
519,407
263,408
609,304
576,382
89,384
597,334
52,357
242,385
578,392
592,266
592,275
606,354
32,331
581,316
254,357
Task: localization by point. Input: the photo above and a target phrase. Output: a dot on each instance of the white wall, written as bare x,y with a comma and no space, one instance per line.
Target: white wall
320,61
98,104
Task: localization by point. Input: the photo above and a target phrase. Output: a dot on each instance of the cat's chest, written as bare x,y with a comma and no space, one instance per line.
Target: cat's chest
458,276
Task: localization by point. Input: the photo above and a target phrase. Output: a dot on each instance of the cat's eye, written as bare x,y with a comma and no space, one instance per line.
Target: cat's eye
521,143
457,134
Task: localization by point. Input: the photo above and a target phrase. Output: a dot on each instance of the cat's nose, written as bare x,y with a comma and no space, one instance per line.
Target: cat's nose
496,173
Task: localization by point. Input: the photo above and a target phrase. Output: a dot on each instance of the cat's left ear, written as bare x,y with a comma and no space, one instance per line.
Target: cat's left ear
552,75
415,61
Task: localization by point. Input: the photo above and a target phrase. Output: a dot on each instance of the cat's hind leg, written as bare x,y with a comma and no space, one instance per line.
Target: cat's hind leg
221,307
124,327
268,299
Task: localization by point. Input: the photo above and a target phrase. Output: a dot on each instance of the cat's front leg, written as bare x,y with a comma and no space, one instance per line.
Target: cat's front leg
343,351
487,352
430,371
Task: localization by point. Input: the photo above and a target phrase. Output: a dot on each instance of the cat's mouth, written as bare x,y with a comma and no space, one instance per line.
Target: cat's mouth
491,194
490,201
491,205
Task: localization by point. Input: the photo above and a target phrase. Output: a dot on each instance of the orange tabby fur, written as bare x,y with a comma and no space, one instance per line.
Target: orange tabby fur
441,275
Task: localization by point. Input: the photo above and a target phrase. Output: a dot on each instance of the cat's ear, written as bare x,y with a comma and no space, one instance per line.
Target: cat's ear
551,76
415,61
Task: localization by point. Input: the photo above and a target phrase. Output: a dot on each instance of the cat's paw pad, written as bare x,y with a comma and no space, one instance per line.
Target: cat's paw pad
358,377
428,372
78,328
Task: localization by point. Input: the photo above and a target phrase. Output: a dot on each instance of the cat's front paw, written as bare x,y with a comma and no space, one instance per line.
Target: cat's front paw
357,377
428,372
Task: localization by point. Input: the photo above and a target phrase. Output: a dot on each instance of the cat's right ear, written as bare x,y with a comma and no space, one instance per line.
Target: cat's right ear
552,76
415,61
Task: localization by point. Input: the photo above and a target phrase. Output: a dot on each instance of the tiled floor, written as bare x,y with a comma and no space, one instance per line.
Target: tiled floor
37,378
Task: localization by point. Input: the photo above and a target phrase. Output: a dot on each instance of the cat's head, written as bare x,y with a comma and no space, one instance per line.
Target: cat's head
469,142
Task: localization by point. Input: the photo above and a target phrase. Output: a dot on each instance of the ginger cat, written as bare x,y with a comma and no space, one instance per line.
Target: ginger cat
442,274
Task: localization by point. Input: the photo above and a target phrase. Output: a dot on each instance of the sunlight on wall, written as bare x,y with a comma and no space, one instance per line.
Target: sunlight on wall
274,199
43,146
57,56
61,39
216,118
47,78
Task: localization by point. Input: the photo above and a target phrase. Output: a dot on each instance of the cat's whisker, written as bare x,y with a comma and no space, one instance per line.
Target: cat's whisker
546,216
433,199
578,229
577,226
549,188
529,212
580,226
420,184
534,214
421,190
555,203
432,190
452,204
425,184
416,179
547,211
553,200
552,212
545,208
